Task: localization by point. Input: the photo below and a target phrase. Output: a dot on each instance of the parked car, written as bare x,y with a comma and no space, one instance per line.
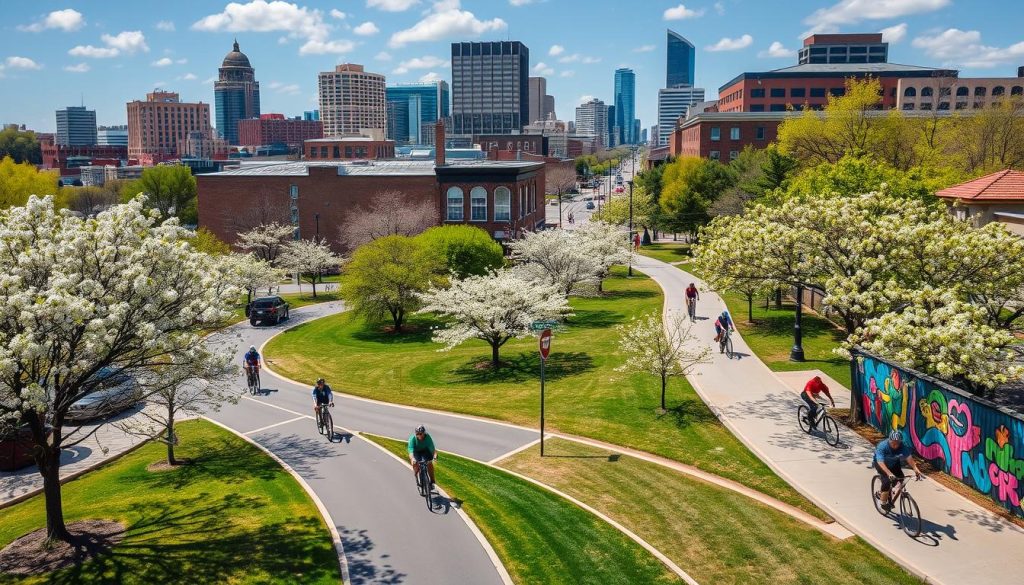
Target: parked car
590,204
117,391
588,198
266,310
619,189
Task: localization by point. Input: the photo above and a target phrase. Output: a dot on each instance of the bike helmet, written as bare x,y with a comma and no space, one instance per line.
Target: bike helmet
725,314
319,380
252,348
896,436
420,429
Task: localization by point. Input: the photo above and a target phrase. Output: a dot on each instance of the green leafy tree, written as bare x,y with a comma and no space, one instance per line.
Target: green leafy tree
22,146
462,250
385,278
690,186
19,180
853,175
170,189
845,127
208,243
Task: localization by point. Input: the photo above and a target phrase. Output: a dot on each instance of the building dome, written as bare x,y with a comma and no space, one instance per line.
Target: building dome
236,58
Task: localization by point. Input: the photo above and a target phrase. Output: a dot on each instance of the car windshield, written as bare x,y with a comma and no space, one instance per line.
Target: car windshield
263,304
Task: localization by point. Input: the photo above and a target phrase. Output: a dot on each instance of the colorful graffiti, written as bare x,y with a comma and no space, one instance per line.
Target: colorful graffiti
968,438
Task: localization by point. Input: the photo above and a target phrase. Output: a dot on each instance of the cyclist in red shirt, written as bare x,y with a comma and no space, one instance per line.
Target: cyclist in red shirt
810,394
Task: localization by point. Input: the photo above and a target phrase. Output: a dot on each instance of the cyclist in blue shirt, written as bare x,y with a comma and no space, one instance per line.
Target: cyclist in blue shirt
251,359
888,456
321,395
723,322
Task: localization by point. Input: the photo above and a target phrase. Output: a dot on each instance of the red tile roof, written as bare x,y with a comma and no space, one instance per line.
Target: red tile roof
1005,185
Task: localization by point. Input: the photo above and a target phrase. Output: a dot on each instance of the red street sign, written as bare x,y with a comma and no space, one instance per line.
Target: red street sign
545,344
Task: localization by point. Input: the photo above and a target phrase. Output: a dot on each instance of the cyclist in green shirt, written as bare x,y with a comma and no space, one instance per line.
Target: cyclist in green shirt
421,450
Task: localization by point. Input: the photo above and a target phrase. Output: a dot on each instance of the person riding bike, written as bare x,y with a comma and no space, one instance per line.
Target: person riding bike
692,295
886,462
321,395
251,360
723,322
421,450
810,395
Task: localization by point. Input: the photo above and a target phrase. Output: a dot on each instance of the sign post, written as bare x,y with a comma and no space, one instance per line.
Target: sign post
545,349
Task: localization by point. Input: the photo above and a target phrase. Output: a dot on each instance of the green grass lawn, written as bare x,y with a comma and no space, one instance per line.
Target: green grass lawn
667,252
715,535
585,395
539,536
233,516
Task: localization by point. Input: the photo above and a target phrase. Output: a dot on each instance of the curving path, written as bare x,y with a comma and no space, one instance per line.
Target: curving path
387,533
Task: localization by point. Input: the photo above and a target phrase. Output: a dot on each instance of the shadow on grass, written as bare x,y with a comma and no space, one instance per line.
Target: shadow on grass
523,367
688,413
222,460
594,319
780,323
415,331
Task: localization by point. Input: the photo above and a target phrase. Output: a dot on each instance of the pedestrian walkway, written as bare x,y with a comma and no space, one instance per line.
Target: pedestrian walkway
962,542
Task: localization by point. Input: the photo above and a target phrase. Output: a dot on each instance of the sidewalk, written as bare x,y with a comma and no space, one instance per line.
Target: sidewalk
962,543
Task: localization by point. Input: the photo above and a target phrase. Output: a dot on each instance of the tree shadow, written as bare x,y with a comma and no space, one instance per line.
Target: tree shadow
523,367
689,412
416,330
362,568
222,460
595,319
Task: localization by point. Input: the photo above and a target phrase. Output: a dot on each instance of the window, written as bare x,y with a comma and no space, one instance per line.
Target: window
962,90
777,92
757,92
979,92
759,133
908,106
502,204
998,90
715,155
734,133
478,204
716,133
910,92
926,106
733,154
817,92
926,92
961,105
293,192
757,107
798,92
455,211
777,108
837,91
1017,90
943,105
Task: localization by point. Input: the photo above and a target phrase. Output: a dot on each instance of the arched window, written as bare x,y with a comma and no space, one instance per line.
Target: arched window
998,90
455,205
910,92
979,91
926,92
502,204
962,90
1017,90
478,204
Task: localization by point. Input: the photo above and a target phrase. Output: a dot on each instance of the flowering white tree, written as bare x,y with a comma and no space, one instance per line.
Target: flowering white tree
309,259
494,308
252,274
120,292
266,241
558,257
607,244
660,350
390,213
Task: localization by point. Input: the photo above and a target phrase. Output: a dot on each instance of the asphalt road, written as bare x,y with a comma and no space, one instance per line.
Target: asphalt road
388,534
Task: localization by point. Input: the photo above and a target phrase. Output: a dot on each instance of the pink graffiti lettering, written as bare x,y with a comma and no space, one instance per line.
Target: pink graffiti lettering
1006,483
958,444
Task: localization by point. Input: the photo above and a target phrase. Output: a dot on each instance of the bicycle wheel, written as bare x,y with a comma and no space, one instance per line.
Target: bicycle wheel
256,382
728,347
319,421
910,515
831,429
428,495
328,425
801,416
876,489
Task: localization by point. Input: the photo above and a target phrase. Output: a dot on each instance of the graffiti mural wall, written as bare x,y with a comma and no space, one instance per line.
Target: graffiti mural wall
973,440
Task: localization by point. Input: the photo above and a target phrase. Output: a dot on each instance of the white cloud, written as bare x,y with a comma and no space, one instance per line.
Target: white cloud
567,73
520,2
542,68
681,12
894,34
79,68
644,49
93,52
22,63
210,80
446,20
584,99
590,60
430,78
777,51
263,16
556,50
382,56
853,11
188,77
181,61
129,41
727,44
335,13
165,25
66,20
965,48
317,47
366,29
285,88
162,62
719,8
428,62
392,5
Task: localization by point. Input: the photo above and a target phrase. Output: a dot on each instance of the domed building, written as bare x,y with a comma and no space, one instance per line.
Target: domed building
236,94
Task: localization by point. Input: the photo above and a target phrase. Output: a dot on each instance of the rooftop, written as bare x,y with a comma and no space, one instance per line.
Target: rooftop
362,168
1007,185
843,70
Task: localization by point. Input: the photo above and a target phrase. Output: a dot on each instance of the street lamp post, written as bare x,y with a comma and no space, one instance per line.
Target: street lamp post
631,225
797,353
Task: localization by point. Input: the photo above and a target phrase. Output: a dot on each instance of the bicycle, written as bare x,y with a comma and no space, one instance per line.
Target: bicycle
252,379
691,308
725,343
828,424
324,422
423,484
910,513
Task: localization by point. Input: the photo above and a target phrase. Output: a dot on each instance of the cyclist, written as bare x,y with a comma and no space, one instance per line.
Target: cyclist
251,360
723,322
321,395
810,395
692,295
421,450
886,462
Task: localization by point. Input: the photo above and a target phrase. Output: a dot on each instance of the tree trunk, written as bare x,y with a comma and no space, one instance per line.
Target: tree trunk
396,317
170,441
314,286
663,382
495,363
778,298
750,308
49,468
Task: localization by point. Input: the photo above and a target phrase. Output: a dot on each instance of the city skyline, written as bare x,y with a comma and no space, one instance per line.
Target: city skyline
55,55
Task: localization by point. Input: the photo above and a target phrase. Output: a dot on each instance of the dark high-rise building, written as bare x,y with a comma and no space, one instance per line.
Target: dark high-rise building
76,126
236,94
490,87
681,56
416,107
625,106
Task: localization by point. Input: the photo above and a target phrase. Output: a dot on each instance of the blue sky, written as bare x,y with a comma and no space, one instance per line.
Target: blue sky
54,53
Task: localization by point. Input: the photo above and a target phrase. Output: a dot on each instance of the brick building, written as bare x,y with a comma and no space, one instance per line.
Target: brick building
957,93
721,136
996,197
348,148
525,143
271,129
159,126
68,159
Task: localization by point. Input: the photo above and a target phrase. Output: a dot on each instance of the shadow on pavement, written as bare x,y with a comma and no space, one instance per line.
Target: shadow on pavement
361,568
303,454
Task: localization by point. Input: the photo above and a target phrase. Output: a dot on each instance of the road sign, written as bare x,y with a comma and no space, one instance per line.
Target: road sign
545,344
542,325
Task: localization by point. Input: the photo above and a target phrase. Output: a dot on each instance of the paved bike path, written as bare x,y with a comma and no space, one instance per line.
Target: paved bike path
388,534
962,542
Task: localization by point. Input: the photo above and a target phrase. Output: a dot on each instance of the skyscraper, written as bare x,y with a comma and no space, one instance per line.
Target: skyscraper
679,67
352,100
76,126
541,104
236,93
672,104
159,127
592,120
625,105
416,107
490,87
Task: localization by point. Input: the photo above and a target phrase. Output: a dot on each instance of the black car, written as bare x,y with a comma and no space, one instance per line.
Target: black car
268,310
